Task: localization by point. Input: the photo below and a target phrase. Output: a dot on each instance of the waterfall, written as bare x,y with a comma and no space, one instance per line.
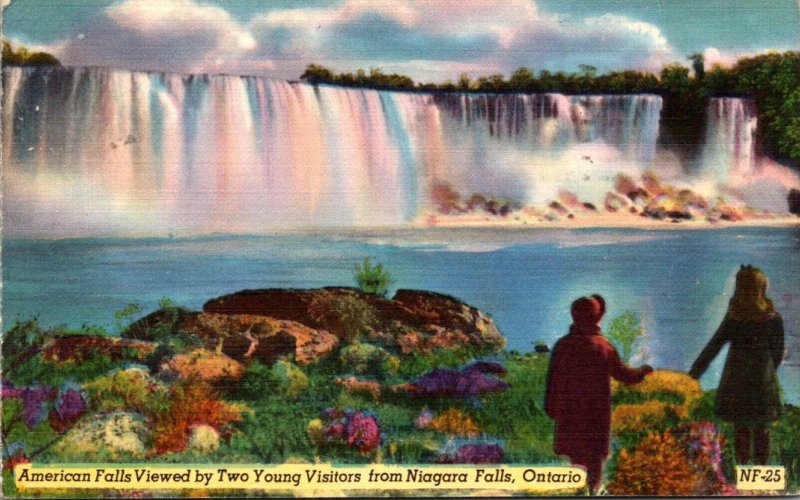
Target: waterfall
729,144
88,150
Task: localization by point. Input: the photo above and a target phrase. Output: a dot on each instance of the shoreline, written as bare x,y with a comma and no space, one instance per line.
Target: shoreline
431,221
517,220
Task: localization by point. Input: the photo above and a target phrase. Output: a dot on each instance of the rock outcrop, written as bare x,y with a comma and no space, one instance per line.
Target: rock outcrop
427,314
268,324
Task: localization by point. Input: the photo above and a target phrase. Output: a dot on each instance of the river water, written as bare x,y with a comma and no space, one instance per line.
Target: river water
677,281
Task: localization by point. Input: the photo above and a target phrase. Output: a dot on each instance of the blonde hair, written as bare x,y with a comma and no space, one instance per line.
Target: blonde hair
749,301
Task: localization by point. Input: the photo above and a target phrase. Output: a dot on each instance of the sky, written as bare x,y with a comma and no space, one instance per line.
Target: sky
429,40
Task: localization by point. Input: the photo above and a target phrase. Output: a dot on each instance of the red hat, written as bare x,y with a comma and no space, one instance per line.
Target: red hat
588,310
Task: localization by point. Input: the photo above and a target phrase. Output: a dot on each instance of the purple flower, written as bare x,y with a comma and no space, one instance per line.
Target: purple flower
34,404
472,453
466,383
70,404
481,453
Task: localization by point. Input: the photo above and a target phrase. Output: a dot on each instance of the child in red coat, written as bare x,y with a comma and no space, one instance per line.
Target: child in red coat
578,393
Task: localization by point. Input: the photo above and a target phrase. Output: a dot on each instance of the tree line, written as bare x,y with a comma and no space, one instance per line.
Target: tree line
772,80
21,56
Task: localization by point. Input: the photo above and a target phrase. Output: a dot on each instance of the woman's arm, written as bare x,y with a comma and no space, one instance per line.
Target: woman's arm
710,351
776,346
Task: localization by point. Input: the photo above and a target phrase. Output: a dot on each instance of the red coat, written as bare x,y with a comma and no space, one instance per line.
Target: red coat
578,393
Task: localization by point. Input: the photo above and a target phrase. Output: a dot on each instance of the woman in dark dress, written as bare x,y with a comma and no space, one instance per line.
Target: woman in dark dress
749,394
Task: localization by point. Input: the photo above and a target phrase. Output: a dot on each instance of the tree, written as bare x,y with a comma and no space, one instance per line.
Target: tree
698,65
587,70
522,79
464,82
675,78
315,73
22,57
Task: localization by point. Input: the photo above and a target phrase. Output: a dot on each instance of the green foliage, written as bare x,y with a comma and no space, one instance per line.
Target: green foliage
316,74
290,379
416,364
256,383
125,314
15,430
347,316
374,280
22,57
365,359
786,445
627,396
20,342
169,346
260,382
626,333
517,414
276,430
131,390
38,371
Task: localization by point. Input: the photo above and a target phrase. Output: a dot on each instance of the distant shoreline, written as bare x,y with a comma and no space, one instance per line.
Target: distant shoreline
595,221
433,221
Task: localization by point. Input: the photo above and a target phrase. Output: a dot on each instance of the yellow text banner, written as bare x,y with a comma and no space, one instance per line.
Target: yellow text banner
309,477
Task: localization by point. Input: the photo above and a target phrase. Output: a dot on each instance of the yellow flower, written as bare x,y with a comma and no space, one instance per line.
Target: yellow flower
638,417
316,432
455,422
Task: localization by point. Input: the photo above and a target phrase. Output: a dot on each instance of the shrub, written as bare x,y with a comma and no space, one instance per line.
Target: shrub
361,358
131,390
685,461
291,381
658,466
346,316
357,429
786,445
650,415
626,333
20,342
276,430
456,423
256,383
190,404
664,385
374,280
113,437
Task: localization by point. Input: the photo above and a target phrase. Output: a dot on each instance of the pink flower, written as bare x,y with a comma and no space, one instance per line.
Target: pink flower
363,432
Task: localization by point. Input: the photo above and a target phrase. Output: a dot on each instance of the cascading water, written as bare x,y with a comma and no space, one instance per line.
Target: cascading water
729,145
88,150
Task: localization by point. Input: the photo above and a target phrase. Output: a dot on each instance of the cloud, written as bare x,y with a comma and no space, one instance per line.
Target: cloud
480,33
429,40
160,34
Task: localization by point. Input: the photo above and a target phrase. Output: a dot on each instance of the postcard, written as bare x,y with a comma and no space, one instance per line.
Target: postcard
400,248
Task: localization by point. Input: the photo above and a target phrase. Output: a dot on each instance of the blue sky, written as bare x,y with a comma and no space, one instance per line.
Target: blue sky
430,40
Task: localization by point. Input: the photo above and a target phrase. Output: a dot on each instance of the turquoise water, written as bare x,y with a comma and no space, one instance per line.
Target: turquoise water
678,281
